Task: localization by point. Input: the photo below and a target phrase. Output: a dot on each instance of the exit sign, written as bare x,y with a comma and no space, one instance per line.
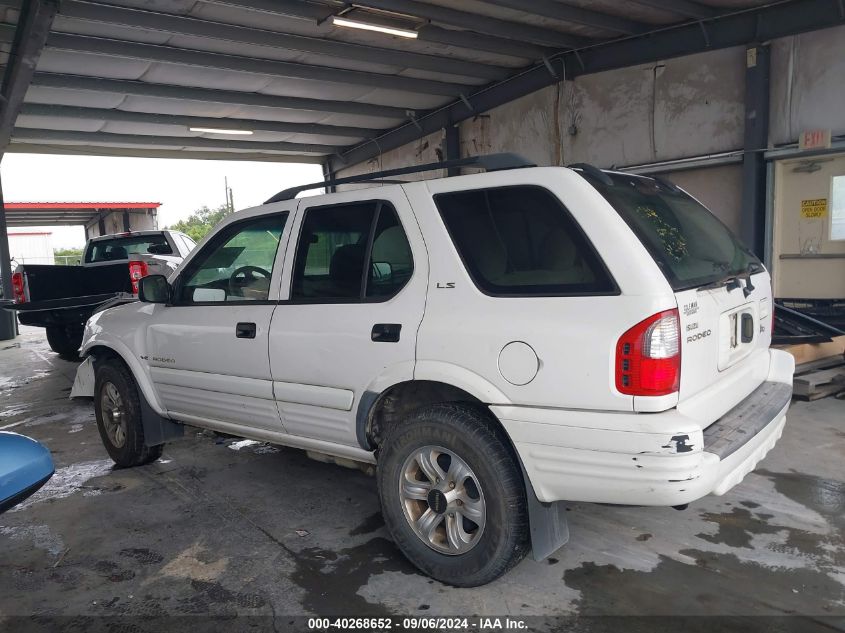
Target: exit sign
814,139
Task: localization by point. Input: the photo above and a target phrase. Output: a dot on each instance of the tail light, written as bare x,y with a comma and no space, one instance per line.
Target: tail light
648,356
137,271
18,291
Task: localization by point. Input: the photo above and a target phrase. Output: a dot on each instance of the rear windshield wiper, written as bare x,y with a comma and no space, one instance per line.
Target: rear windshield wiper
731,282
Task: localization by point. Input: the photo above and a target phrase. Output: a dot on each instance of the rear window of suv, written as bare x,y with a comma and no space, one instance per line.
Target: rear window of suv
690,244
120,248
521,241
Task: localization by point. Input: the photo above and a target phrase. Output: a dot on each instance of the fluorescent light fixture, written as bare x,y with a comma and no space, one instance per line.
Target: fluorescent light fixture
366,26
215,130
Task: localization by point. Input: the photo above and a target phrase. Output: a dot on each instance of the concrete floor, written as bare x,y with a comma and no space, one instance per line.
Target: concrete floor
223,527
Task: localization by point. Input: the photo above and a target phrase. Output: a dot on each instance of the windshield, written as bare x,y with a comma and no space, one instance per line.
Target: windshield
690,244
120,248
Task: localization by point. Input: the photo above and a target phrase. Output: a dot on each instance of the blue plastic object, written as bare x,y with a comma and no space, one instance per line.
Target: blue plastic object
25,466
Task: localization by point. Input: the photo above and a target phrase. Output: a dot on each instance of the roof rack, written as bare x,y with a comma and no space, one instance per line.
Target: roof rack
593,172
490,162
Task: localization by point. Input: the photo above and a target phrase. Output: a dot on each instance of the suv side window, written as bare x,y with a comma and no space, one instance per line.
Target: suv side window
236,265
351,252
521,241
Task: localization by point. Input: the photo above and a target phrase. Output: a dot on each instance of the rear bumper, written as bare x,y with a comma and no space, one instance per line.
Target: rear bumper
658,459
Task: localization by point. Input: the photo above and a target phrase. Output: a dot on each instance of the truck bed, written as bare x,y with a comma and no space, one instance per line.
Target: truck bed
47,283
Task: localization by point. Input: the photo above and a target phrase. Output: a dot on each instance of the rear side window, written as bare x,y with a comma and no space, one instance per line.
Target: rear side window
120,248
351,252
521,241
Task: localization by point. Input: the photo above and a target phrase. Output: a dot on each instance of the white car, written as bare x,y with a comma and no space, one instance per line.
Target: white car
495,343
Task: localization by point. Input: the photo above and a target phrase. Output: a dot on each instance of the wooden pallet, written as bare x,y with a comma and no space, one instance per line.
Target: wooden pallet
808,352
819,379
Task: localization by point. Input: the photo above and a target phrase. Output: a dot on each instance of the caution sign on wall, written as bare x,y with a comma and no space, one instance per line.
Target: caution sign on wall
812,209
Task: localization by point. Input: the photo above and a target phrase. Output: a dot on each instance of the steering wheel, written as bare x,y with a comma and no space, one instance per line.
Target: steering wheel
243,277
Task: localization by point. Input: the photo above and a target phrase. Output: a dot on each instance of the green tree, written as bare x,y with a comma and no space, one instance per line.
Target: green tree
67,256
201,221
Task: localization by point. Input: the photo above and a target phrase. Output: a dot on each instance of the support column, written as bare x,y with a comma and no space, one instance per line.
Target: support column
5,254
453,148
753,225
329,174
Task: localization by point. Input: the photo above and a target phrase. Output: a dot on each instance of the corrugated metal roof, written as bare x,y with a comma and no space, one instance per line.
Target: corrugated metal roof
132,77
81,213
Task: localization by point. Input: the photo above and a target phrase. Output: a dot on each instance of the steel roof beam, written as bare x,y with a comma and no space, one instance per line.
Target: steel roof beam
290,8
30,36
135,152
736,29
169,23
476,22
573,14
480,42
32,134
256,125
469,39
34,21
237,63
7,33
687,8
211,95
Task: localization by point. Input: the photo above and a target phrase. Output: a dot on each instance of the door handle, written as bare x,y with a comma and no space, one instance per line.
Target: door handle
245,330
746,328
386,332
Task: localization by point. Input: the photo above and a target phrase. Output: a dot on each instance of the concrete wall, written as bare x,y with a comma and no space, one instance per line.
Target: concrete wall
429,149
683,107
807,90
678,108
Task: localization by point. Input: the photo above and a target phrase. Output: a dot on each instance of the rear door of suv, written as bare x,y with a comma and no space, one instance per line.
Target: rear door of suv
353,296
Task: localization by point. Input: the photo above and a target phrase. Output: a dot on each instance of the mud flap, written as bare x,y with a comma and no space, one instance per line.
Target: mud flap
547,522
83,384
157,430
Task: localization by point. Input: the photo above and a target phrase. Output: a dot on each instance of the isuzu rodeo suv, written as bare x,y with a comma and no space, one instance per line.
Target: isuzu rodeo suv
494,343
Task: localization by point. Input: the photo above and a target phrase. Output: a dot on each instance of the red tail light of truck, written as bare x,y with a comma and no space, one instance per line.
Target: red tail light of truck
18,288
137,271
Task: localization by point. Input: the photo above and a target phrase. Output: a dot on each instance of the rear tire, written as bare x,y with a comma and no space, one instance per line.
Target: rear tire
65,340
455,455
118,411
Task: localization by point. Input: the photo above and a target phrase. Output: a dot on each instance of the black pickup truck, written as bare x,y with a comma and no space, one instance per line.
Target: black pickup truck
62,298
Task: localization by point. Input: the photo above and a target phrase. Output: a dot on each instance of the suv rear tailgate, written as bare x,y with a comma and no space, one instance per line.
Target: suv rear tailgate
725,336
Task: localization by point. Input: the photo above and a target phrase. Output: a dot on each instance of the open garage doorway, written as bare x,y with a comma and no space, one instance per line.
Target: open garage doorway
808,247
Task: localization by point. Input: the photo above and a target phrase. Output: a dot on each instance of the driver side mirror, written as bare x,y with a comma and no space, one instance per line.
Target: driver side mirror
154,289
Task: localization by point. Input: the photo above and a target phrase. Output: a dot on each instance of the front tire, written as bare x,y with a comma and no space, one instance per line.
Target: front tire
452,495
118,411
65,340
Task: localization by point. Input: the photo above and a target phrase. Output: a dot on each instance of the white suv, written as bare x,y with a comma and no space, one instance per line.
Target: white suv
495,343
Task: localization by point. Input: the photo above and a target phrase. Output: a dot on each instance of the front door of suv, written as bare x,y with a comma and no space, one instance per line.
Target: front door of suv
207,352
353,297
